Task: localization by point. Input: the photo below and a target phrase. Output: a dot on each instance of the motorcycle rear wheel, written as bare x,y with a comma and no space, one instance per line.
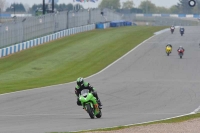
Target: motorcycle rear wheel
99,115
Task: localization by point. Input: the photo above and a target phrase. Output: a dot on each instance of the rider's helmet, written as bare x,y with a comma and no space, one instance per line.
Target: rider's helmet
180,47
80,81
168,44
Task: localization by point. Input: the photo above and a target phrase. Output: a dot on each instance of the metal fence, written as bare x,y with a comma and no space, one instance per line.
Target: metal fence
26,28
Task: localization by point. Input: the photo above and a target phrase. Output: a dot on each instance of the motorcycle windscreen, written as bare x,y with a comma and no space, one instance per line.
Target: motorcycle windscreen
84,92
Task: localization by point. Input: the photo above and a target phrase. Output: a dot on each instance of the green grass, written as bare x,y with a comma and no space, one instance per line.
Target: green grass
66,59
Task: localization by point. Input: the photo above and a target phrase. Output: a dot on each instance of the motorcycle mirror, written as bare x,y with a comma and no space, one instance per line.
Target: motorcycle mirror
192,3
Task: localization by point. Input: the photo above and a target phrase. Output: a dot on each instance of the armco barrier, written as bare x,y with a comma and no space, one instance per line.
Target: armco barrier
28,44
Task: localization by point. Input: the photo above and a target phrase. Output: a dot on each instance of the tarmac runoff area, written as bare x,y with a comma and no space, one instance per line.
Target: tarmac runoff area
144,85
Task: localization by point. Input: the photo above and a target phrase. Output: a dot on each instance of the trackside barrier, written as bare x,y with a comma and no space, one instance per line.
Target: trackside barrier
38,41
102,25
120,23
169,15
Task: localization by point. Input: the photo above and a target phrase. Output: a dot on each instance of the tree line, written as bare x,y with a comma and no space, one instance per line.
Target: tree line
144,7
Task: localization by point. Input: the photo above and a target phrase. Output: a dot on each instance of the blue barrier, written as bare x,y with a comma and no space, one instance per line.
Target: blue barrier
148,15
27,45
18,47
22,46
182,15
9,50
128,23
5,15
115,24
15,48
6,51
100,26
120,23
196,16
165,15
2,52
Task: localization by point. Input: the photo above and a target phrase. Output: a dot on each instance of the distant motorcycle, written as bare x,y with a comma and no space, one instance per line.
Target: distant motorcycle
180,53
182,31
168,50
172,30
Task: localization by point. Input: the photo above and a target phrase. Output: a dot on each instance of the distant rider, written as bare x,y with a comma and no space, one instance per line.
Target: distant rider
172,28
182,29
180,48
81,84
169,45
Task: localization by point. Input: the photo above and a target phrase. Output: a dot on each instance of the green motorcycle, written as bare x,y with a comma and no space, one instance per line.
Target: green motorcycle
89,103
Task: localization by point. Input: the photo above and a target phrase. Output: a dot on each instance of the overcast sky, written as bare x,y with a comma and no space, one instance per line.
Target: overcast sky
165,3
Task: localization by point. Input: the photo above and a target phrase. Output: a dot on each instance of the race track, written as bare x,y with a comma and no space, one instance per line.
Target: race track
145,85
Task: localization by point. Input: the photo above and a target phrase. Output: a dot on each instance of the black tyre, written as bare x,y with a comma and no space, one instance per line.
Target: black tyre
167,54
90,111
99,115
181,57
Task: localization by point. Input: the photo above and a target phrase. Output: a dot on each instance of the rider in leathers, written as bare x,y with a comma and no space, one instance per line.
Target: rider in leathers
182,30
169,45
81,84
172,28
181,48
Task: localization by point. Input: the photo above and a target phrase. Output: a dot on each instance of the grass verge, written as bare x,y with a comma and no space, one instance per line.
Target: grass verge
66,59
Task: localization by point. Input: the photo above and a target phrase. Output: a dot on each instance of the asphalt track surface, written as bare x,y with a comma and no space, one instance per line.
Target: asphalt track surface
145,85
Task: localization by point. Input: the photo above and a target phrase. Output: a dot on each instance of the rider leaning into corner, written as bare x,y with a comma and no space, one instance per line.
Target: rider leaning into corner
81,84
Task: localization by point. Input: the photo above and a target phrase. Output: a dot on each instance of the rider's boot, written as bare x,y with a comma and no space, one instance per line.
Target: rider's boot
99,103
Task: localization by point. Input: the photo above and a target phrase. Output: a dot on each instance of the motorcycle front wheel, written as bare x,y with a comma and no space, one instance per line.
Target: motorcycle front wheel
90,111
